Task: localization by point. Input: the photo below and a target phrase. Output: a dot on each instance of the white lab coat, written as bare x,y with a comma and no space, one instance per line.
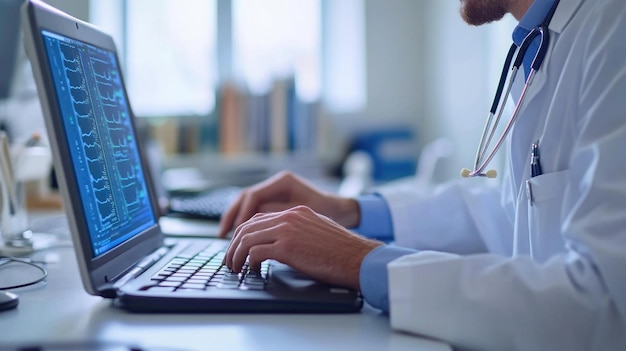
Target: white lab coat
497,273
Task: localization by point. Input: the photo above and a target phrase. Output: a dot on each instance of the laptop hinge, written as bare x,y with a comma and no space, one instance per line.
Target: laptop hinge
109,290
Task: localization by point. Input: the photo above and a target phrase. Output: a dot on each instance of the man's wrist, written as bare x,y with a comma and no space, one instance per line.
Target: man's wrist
347,213
367,247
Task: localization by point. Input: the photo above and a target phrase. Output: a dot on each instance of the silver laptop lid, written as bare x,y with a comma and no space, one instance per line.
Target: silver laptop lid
97,156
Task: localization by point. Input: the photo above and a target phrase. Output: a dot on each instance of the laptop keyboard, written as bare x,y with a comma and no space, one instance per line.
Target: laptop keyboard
209,205
204,270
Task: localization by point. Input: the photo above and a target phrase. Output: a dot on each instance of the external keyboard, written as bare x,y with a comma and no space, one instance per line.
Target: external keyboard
209,205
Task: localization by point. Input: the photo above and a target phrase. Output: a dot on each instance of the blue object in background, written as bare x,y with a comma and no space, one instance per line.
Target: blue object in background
394,152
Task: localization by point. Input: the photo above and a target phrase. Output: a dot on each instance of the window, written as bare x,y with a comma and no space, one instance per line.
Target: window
276,39
345,83
170,54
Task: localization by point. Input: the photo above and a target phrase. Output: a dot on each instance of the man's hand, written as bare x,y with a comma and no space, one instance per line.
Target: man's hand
283,191
303,239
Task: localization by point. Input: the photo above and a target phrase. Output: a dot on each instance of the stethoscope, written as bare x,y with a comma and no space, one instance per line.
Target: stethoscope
483,157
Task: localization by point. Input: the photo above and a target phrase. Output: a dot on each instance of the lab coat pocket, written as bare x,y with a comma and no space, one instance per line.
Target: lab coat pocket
545,199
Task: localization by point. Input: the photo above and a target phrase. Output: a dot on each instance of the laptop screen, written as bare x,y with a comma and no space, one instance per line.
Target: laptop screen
105,158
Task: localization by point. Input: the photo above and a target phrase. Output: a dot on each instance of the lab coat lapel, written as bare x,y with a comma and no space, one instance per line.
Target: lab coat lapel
531,115
562,16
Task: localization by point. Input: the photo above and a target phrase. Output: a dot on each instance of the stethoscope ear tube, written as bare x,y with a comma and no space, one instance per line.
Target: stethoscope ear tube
543,48
526,43
505,68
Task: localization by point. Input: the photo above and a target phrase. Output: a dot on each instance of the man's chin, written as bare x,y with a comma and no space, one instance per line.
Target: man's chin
479,12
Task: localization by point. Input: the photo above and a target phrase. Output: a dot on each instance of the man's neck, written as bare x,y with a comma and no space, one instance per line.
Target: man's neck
518,8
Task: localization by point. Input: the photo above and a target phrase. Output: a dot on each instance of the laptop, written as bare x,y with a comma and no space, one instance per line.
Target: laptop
111,208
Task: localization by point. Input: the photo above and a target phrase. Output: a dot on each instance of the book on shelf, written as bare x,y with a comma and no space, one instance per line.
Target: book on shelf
275,122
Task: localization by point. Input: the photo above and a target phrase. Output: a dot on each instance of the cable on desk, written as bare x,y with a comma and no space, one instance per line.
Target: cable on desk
84,346
4,260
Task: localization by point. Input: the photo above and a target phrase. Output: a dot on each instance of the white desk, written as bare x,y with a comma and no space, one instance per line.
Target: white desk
61,311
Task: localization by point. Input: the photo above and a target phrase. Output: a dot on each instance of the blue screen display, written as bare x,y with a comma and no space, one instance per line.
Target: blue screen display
96,120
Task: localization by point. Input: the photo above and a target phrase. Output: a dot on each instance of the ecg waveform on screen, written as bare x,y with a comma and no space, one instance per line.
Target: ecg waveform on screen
105,140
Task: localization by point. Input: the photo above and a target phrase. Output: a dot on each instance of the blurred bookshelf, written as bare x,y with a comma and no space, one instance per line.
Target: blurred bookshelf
247,137
277,122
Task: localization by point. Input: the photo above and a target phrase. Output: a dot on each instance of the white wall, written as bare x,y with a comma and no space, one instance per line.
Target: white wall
76,8
394,56
395,60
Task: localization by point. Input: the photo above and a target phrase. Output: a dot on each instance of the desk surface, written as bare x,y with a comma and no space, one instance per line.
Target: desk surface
59,310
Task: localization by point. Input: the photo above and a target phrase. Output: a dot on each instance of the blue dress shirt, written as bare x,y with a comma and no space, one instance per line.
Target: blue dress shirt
376,220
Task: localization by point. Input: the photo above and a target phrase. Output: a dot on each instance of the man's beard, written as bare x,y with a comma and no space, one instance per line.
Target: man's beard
478,12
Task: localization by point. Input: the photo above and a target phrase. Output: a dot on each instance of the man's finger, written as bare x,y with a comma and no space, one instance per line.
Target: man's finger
248,242
226,222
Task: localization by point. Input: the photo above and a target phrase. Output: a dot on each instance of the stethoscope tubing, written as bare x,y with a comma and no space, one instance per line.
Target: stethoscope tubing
489,130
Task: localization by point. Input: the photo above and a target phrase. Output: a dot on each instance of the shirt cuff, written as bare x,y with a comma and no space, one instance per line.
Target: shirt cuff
375,218
373,276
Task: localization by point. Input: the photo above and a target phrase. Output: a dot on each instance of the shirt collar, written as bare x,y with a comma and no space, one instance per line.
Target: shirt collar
536,13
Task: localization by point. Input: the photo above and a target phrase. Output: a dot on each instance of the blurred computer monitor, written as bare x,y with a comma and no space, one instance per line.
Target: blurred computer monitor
10,35
20,112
